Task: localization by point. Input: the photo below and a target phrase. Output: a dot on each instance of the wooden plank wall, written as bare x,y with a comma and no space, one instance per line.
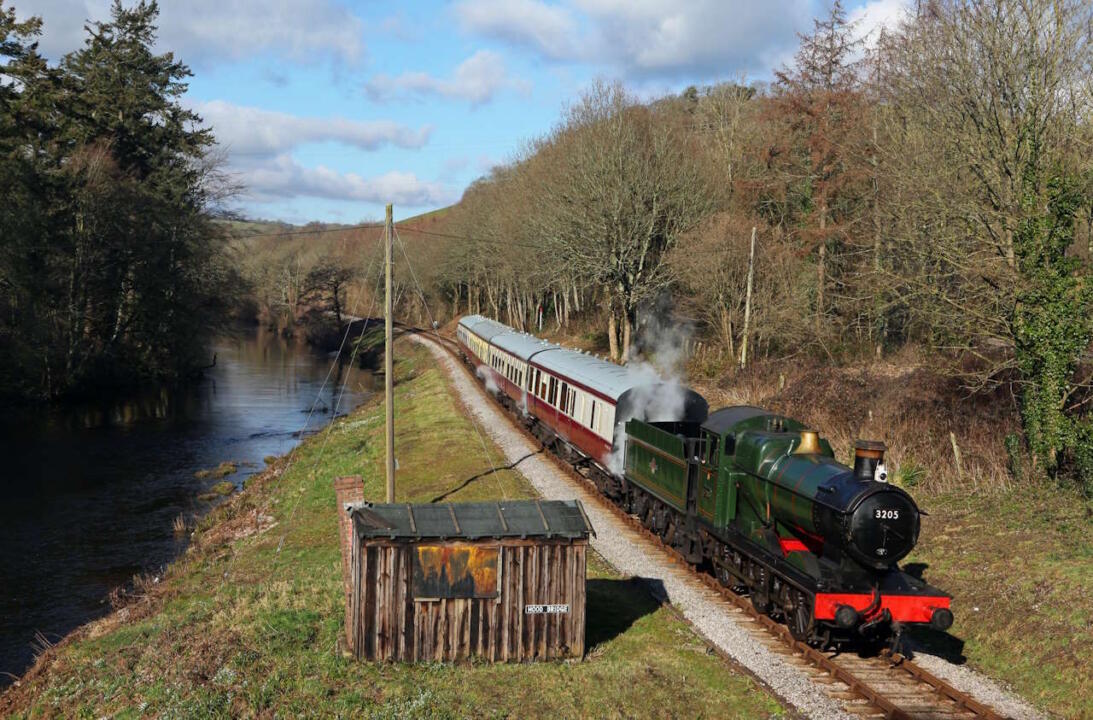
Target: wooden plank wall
389,624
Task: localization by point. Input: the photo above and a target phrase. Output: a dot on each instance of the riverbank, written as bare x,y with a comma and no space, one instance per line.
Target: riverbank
91,496
248,621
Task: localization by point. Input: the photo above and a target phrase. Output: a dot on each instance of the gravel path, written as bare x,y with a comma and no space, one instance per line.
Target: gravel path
717,621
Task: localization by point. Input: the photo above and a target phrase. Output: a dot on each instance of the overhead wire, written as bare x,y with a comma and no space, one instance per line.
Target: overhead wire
334,413
433,326
318,396
469,238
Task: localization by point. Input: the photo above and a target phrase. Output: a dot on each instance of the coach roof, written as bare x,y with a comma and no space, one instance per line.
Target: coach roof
599,375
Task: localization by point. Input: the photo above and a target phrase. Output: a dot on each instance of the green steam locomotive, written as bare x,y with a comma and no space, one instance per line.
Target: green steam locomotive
760,499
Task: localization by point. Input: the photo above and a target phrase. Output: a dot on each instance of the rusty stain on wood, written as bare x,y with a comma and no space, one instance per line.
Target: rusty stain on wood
389,623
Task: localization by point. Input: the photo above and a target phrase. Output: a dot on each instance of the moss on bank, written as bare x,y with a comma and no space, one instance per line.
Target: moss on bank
248,622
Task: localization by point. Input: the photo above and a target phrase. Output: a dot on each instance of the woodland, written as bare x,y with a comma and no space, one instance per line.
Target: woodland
926,197
113,270
925,194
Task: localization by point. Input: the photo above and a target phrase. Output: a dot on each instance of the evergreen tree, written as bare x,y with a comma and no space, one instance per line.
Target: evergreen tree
122,275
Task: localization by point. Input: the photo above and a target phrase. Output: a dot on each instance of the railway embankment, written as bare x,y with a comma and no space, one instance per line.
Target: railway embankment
247,622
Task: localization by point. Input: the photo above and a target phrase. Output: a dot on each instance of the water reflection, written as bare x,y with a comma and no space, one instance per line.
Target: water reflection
90,493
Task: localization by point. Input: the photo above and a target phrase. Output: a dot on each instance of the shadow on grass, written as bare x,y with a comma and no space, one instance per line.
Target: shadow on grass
612,606
486,473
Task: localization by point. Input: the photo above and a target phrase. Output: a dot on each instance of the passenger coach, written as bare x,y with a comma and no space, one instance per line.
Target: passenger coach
586,401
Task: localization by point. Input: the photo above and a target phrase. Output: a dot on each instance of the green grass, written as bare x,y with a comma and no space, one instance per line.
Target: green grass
248,622
1020,565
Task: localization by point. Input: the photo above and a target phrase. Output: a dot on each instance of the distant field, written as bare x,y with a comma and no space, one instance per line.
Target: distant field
238,629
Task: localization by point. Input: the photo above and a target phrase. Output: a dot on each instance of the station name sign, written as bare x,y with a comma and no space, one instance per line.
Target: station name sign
545,609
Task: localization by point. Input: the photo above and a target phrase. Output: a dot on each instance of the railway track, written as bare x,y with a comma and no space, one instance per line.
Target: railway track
885,685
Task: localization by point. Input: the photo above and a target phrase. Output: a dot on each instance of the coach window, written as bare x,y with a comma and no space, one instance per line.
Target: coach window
592,420
564,397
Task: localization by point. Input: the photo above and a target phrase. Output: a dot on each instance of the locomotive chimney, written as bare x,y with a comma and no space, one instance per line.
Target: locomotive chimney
809,444
867,455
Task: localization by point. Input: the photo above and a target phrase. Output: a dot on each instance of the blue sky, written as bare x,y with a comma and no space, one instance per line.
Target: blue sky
325,110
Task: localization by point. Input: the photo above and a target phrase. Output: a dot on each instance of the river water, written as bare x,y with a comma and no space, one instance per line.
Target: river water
89,494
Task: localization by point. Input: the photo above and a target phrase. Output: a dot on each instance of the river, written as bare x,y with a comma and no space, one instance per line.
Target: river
90,493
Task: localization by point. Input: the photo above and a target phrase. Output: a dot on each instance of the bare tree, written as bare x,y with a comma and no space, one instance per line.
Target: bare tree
623,188
987,104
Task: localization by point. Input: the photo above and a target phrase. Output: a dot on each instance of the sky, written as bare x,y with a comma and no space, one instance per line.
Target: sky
326,110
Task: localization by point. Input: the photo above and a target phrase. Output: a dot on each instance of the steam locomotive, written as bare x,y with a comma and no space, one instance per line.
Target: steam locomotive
753,496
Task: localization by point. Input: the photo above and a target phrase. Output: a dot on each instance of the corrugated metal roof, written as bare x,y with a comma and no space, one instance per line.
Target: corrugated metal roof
472,521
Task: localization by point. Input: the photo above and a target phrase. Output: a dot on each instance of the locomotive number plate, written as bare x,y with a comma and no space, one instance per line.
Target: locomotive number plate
545,609
881,514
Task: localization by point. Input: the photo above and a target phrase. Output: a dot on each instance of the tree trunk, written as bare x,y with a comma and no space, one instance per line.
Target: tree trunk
878,300
612,335
626,325
820,270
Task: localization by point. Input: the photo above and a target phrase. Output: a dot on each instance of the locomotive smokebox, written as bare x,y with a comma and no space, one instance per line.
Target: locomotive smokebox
868,454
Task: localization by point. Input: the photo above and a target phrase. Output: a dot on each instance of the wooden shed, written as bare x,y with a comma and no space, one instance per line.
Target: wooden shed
504,581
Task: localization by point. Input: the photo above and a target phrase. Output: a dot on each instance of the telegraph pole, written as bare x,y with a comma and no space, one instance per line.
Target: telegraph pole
388,356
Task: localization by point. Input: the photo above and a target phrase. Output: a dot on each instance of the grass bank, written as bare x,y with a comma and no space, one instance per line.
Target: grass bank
1019,565
247,622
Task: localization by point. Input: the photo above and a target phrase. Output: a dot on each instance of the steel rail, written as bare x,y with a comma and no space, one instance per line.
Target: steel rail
888,660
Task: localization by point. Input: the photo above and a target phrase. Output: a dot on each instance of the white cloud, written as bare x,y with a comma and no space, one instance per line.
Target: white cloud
283,177
244,131
201,31
259,147
550,29
477,79
646,39
878,15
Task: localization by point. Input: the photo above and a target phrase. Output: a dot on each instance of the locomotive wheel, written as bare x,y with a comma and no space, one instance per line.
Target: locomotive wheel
799,618
759,591
760,601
